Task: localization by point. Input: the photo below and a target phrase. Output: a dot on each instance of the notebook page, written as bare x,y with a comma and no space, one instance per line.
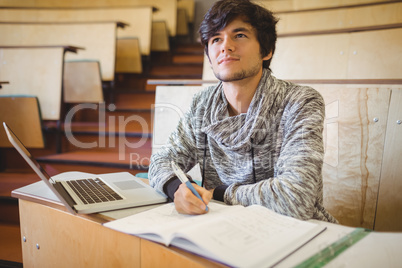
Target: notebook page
160,224
251,237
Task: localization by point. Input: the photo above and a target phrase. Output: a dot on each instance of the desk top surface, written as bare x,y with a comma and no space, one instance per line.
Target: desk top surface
65,47
375,250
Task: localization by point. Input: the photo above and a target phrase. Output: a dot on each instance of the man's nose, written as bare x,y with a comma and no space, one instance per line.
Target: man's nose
227,45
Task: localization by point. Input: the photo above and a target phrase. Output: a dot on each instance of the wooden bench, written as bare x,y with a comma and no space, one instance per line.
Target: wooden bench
128,56
189,7
98,39
22,114
373,54
339,19
42,77
362,148
207,72
166,9
139,19
185,16
182,22
82,82
289,6
3,83
160,36
357,171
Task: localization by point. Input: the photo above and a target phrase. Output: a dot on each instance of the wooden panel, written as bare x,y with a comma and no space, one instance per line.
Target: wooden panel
354,145
389,216
358,55
22,115
128,57
374,15
313,4
375,54
311,57
170,104
98,39
138,18
295,5
167,9
42,77
189,6
82,82
301,22
182,22
276,6
170,257
342,18
77,241
160,37
207,72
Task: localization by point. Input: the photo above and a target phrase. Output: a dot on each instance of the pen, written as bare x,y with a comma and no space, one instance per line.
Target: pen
183,178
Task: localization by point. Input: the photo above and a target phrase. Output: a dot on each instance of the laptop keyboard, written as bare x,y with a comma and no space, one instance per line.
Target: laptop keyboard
92,191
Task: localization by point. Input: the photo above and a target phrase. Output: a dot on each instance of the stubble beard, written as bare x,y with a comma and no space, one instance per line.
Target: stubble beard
237,76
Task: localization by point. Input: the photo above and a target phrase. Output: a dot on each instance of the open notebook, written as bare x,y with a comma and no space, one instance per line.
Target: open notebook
237,236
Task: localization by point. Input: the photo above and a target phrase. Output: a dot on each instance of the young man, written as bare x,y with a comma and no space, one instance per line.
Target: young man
258,139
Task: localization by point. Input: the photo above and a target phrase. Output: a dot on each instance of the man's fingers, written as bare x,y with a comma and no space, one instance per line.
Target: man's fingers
187,203
204,193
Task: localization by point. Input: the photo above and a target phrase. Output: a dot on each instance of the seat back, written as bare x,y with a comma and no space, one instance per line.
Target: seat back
82,82
171,103
22,114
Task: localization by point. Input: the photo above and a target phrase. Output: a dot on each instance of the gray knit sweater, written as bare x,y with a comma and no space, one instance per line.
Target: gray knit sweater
271,156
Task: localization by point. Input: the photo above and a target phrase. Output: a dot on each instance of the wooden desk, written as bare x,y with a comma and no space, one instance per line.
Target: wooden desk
339,19
287,6
3,83
139,19
350,55
98,39
166,9
54,238
42,77
47,227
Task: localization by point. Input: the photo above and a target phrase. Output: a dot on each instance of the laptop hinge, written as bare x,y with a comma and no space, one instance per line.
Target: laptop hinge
59,187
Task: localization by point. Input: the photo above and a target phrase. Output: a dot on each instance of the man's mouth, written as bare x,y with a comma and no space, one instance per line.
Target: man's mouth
227,59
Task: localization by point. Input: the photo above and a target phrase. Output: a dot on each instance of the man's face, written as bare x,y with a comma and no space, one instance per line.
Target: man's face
234,52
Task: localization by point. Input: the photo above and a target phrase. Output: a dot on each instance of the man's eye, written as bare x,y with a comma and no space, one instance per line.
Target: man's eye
215,40
240,35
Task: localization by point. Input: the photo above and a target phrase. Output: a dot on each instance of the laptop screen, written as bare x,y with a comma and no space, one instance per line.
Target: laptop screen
15,141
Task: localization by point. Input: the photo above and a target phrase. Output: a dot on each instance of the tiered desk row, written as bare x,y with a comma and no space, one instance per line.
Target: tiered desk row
55,57
114,38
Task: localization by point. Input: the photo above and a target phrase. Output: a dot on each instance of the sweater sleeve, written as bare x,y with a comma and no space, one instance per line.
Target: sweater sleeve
296,187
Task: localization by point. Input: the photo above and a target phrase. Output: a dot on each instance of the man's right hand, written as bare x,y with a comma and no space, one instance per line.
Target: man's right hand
187,203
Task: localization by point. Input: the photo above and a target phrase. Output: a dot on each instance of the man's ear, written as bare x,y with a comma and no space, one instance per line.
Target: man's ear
267,57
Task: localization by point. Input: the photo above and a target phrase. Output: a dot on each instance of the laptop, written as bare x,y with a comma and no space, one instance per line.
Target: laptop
93,193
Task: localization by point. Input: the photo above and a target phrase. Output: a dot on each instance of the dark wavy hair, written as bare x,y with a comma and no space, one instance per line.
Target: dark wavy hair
225,11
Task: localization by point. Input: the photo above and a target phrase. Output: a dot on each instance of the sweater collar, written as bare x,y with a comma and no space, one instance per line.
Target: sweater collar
237,133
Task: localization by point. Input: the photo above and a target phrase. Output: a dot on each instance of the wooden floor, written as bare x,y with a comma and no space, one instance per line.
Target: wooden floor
10,237
131,97
10,246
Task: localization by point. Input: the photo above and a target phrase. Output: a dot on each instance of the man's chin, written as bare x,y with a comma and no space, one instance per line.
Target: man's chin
230,77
